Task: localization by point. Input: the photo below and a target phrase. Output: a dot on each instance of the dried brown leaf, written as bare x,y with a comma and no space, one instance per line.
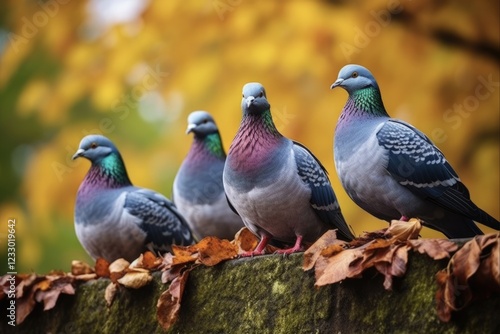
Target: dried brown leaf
169,303
444,295
135,280
110,292
117,269
213,250
146,260
86,277
184,254
80,268
102,268
312,253
435,248
472,273
245,240
404,230
333,269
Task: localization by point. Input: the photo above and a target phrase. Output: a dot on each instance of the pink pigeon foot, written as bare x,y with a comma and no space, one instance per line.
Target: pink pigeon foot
259,250
296,248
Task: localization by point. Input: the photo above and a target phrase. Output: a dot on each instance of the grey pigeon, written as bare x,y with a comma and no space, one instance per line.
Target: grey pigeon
277,186
113,218
392,170
198,191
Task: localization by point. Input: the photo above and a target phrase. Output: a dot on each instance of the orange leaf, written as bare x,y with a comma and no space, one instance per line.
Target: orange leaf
245,240
102,268
313,252
213,250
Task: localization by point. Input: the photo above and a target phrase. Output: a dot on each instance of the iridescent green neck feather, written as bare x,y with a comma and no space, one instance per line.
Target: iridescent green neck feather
109,172
213,144
367,100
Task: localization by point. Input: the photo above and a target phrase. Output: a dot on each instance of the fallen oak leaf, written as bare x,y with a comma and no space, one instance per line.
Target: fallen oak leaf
102,268
57,286
487,277
444,295
86,277
169,303
333,269
110,292
117,269
80,268
472,273
246,241
184,254
147,260
396,267
135,280
437,249
315,251
404,230
213,250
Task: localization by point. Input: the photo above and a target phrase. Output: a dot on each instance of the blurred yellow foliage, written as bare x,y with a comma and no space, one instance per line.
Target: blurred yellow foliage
136,80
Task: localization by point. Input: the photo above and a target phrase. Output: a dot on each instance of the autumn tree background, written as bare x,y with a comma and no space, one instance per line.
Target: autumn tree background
133,70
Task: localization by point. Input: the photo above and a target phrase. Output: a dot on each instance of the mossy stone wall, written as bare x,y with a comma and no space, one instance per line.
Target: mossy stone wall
269,294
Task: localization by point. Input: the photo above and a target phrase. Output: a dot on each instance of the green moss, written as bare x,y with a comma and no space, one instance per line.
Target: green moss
269,294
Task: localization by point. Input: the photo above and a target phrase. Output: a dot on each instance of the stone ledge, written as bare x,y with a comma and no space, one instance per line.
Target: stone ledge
268,294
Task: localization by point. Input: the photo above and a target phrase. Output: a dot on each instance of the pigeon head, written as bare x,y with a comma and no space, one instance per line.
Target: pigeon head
353,78
201,123
95,148
254,101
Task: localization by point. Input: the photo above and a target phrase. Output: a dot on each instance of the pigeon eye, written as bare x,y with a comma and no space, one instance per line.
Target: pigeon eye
261,94
93,145
242,95
354,74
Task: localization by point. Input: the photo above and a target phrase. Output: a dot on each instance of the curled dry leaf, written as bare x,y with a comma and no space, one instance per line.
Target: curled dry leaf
246,241
404,230
80,268
312,253
50,294
169,304
213,250
184,254
110,292
385,250
102,268
117,269
86,277
146,260
472,273
135,280
435,248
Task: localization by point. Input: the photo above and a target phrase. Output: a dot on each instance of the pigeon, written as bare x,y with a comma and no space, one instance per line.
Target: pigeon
198,191
394,171
113,218
277,186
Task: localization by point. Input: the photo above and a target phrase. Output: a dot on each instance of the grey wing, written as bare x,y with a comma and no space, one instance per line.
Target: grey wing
421,167
323,199
159,218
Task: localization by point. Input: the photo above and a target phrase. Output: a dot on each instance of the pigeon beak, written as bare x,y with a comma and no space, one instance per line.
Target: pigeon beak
337,83
190,128
78,153
249,101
